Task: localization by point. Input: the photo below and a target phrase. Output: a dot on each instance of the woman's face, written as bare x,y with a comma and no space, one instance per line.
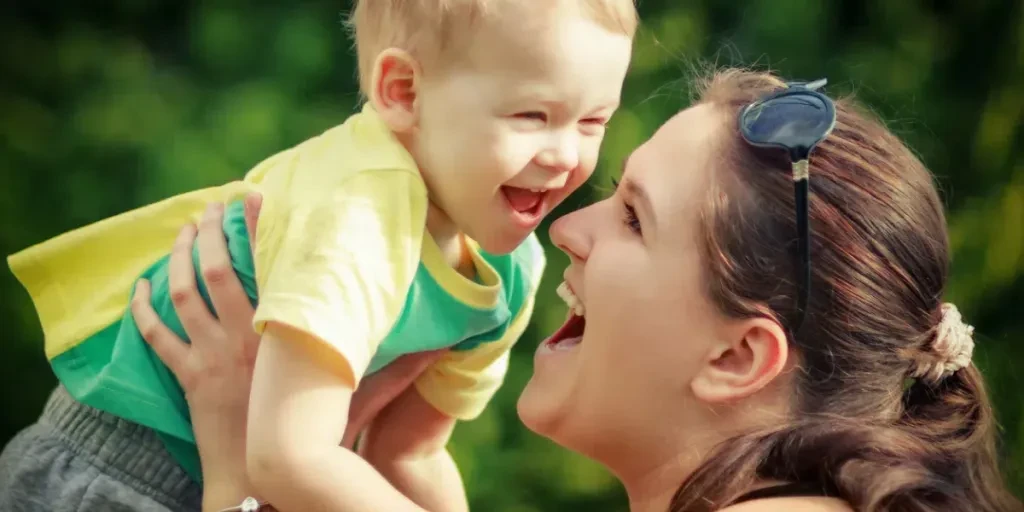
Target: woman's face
635,266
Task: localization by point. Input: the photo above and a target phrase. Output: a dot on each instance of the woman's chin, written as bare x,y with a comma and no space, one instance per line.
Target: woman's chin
554,415
549,398
538,408
545,402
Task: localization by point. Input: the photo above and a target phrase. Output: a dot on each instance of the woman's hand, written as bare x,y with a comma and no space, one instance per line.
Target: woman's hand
215,370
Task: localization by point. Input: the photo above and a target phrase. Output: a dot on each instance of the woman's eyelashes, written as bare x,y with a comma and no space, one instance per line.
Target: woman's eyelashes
629,217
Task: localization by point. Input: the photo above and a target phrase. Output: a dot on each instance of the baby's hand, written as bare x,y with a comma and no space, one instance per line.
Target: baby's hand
376,391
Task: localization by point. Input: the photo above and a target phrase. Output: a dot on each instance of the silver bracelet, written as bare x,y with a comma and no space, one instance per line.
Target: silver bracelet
249,504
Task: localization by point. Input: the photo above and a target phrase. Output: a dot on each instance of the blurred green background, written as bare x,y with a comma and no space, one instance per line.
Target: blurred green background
105,106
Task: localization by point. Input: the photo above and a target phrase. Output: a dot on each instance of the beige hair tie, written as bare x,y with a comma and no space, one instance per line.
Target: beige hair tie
951,349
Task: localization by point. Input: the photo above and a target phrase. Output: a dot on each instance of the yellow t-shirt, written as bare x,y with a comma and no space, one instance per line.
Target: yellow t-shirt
338,245
339,236
342,254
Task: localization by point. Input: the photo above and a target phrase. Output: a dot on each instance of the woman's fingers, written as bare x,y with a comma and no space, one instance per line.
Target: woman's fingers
167,345
188,304
251,206
226,292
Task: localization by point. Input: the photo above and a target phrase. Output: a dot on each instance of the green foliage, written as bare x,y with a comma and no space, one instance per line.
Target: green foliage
104,108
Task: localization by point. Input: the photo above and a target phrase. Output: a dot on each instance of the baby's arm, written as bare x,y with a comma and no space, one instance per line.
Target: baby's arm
297,414
406,443
334,264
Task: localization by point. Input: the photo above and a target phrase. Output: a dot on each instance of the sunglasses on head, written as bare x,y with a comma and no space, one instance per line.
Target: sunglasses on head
794,119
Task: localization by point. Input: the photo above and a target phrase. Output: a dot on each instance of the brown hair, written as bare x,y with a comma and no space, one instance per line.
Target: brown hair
859,429
427,28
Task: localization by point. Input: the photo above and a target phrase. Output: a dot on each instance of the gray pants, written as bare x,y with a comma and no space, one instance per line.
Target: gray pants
76,458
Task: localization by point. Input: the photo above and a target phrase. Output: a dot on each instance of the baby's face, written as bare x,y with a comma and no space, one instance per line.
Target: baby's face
508,132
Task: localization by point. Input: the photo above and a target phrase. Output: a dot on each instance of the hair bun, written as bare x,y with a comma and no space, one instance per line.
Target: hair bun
951,348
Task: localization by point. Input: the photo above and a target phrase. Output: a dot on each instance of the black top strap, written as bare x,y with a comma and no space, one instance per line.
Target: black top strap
784,490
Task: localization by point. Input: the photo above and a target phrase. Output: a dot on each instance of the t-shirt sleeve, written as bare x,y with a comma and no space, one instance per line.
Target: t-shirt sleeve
463,382
336,264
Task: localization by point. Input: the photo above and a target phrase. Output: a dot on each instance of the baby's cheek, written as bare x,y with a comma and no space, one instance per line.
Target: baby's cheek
589,153
582,173
514,153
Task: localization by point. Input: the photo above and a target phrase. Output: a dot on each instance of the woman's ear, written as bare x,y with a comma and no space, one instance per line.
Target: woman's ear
394,89
753,354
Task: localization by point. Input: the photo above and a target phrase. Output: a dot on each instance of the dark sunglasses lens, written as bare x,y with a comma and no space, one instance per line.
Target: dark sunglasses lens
792,121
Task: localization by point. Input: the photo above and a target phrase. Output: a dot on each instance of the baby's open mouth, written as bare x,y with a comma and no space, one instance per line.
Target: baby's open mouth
524,200
571,332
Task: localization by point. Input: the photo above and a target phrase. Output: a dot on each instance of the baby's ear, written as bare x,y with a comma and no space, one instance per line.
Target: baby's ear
396,77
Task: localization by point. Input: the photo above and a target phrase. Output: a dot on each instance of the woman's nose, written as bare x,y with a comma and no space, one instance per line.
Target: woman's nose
571,234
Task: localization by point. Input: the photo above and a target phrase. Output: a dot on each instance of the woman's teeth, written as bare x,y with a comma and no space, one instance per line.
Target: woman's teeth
571,300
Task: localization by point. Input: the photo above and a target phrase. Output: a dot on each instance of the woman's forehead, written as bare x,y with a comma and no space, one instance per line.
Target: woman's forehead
674,166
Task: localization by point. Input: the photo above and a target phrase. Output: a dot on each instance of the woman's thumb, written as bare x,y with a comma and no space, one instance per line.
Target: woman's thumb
252,204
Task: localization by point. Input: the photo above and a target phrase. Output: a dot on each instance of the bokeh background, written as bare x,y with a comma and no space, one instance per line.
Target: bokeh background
105,106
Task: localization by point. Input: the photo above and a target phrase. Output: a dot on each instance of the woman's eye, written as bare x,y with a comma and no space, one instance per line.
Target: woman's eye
629,213
631,221
595,121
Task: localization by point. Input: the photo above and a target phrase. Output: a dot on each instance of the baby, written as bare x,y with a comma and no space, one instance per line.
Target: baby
407,228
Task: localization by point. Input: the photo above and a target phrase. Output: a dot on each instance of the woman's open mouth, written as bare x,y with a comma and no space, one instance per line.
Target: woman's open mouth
569,335
571,332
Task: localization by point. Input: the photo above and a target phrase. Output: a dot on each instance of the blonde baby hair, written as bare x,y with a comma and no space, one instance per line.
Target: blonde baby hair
429,29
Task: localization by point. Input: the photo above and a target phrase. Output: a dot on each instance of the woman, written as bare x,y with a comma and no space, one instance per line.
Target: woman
710,363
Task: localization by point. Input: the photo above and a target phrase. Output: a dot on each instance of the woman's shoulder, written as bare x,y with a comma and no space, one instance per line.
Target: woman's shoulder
792,504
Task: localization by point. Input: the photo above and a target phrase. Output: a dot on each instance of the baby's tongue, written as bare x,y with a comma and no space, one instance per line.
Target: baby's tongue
521,199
